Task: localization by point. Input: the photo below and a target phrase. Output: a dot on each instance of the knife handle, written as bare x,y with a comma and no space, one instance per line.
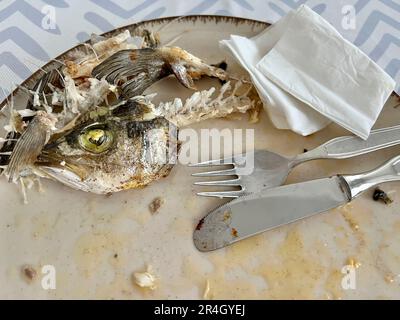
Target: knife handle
389,171
351,146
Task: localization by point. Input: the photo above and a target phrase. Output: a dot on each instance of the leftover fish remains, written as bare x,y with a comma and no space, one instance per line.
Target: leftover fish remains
89,125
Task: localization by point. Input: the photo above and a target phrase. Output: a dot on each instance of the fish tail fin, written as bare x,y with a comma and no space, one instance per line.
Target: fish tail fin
138,69
141,67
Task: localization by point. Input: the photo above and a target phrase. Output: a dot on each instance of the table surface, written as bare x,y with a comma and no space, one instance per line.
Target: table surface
33,32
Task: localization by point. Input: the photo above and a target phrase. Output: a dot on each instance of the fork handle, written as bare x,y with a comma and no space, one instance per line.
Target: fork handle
357,184
351,146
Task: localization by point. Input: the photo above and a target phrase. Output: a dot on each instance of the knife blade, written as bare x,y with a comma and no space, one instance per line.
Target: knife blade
270,208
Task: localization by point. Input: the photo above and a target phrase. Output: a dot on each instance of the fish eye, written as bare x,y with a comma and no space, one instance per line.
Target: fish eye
96,139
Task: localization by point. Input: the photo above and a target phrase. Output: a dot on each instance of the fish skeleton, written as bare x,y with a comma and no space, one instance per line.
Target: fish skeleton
90,127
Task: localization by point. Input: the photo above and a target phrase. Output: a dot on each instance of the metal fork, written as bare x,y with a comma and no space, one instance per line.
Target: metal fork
271,169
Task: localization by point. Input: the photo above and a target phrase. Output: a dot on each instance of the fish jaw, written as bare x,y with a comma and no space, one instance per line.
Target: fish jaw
71,179
66,177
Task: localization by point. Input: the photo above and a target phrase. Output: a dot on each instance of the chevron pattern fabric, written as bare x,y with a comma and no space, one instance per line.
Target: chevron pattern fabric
34,31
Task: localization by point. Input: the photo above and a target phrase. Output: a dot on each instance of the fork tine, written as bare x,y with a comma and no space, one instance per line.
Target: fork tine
216,162
222,194
214,173
233,182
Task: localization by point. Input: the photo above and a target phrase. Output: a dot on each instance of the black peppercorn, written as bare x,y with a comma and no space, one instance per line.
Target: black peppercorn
381,195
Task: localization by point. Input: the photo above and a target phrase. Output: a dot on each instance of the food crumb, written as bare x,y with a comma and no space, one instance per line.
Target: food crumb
346,213
29,273
234,232
227,216
207,291
155,205
354,263
145,279
389,278
380,195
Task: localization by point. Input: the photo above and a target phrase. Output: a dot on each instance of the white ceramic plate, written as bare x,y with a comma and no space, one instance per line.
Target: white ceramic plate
95,242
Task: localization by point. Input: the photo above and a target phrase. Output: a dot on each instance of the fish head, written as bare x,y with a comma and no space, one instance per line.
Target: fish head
127,147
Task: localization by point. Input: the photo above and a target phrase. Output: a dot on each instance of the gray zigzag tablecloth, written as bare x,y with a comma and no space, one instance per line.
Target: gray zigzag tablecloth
34,31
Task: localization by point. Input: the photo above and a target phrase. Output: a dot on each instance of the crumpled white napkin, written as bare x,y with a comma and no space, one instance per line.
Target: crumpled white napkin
307,75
